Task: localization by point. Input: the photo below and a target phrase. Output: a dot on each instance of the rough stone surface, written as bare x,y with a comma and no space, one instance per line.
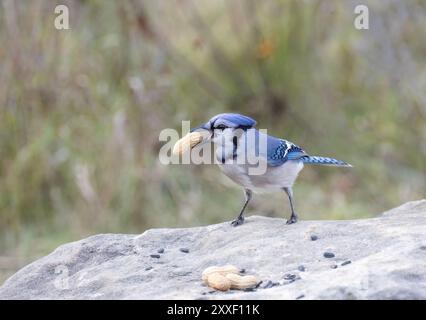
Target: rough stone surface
387,254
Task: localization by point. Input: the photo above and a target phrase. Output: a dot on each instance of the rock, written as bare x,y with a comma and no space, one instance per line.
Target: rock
387,254
184,250
301,268
346,262
160,250
314,238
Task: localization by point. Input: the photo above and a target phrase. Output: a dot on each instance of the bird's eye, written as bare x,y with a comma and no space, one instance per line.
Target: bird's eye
221,127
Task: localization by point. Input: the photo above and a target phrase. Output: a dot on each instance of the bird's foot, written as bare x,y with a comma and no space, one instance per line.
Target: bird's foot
237,222
293,219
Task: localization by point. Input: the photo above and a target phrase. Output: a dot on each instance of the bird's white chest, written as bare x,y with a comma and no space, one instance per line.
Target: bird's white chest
237,173
274,179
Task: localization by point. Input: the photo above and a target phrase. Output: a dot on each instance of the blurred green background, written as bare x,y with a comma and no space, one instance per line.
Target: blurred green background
81,111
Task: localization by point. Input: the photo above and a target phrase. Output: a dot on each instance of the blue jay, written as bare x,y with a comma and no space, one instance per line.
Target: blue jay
283,159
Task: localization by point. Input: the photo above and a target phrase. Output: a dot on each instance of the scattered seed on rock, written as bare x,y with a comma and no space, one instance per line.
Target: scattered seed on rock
184,250
289,276
148,268
346,262
301,268
300,297
160,250
333,266
314,238
328,255
155,256
270,284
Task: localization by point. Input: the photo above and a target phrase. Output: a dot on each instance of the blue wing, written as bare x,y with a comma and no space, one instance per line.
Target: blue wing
280,151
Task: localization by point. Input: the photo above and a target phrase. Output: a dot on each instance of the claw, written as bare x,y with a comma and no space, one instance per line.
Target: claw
237,222
292,220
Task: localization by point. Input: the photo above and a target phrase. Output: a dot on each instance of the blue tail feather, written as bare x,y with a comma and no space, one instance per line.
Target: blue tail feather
324,161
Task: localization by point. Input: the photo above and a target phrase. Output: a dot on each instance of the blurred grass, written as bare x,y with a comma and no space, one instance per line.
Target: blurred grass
81,111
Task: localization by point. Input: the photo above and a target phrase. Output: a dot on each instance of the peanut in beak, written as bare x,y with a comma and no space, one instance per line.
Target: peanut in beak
189,141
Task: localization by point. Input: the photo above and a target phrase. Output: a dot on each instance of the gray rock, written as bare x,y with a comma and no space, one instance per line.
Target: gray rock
387,254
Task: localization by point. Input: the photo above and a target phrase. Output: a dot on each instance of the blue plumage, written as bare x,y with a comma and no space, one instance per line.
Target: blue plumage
233,120
325,161
280,150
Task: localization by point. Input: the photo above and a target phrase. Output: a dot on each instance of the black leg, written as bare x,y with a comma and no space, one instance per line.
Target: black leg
293,218
240,219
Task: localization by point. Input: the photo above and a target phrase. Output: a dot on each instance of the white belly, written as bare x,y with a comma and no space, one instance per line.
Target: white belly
273,180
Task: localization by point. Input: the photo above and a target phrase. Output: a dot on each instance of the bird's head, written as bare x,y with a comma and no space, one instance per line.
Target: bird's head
225,125
221,129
